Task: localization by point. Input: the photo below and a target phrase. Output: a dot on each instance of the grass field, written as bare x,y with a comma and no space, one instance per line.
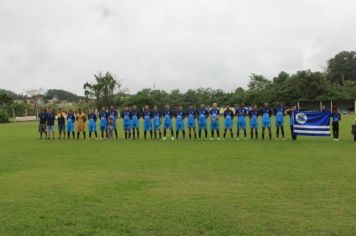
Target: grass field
70,187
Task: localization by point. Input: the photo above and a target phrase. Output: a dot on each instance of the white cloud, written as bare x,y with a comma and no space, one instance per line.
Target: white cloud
174,44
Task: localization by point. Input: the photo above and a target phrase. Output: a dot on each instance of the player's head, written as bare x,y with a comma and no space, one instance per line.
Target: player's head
60,110
79,110
242,104
335,109
126,108
112,108
92,111
179,108
227,106
215,105
190,106
294,107
265,104
146,107
134,107
254,106
49,109
202,106
102,108
166,107
155,108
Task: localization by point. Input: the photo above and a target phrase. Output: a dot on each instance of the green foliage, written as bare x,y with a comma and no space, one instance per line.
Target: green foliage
342,67
61,95
4,116
5,99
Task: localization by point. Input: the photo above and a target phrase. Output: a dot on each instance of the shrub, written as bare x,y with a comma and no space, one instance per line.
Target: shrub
4,116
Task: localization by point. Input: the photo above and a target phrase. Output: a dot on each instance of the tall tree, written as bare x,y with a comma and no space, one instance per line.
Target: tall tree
342,67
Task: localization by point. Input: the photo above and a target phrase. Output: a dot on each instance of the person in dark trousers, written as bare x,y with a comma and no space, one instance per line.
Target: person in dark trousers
291,112
43,123
336,118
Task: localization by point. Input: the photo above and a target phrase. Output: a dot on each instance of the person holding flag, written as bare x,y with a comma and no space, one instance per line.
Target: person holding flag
266,114
103,116
179,115
228,117
192,115
214,121
241,113
147,121
92,123
157,122
336,118
167,123
70,124
279,113
203,114
126,116
253,114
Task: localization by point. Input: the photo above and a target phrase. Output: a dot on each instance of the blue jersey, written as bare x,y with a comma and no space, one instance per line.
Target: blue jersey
167,115
266,114
92,118
336,117
147,115
50,118
214,112
126,116
156,118
202,114
279,112
43,117
241,112
191,114
228,114
70,118
113,115
103,114
179,115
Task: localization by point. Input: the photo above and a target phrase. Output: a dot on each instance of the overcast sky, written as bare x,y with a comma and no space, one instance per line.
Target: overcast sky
172,43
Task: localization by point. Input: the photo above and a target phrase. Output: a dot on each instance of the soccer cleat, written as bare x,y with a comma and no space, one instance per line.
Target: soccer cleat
172,138
211,139
164,138
218,139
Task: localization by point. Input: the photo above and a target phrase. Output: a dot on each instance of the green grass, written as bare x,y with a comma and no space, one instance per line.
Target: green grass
70,187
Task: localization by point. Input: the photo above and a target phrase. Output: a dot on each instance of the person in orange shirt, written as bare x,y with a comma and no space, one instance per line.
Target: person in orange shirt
81,119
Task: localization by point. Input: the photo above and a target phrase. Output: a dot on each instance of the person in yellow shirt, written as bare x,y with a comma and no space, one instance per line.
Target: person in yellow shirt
61,118
81,119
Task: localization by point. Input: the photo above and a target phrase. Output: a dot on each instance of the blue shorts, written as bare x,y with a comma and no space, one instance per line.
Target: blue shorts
214,125
266,123
103,127
241,125
156,126
253,125
70,127
228,124
127,125
50,128
92,127
61,127
114,124
147,125
191,123
202,124
134,124
179,125
167,124
279,124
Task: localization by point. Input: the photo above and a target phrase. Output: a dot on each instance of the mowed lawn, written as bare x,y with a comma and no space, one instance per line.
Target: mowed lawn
71,187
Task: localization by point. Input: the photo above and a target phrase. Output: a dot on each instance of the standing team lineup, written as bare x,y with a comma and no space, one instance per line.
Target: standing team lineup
158,123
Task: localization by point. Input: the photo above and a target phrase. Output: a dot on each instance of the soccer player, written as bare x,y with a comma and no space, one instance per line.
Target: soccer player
43,123
291,112
241,113
214,121
135,117
110,127
61,118
253,114
50,123
147,121
157,122
113,114
126,116
70,124
81,119
202,120
279,113
266,114
336,118
92,123
167,123
103,116
179,115
228,117
192,115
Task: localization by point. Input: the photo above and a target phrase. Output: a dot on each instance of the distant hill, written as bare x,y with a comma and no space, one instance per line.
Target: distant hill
12,95
61,95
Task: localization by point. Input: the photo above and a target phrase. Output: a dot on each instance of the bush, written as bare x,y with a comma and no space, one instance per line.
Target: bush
4,116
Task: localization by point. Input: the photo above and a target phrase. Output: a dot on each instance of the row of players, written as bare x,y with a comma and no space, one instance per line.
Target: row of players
153,120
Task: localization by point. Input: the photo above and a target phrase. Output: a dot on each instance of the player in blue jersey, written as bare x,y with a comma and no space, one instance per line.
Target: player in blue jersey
50,123
147,121
70,124
103,116
126,117
253,114
203,114
180,115
279,113
167,121
241,113
43,123
191,115
214,121
266,114
157,118
92,123
228,118
336,118
291,112
135,122
113,114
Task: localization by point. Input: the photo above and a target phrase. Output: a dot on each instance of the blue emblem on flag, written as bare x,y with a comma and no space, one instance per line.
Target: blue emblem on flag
311,123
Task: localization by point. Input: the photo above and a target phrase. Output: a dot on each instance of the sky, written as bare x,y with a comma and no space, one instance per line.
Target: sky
169,44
